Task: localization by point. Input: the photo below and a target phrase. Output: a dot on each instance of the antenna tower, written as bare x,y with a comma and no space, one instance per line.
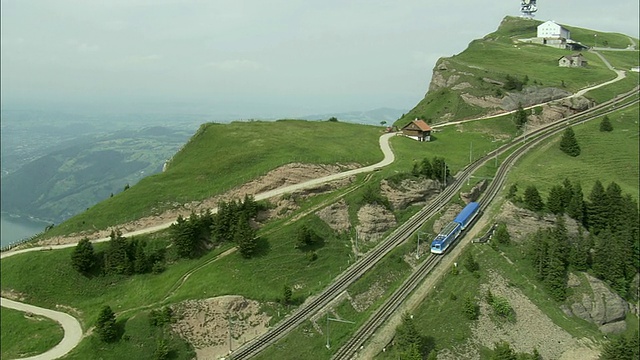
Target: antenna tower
528,8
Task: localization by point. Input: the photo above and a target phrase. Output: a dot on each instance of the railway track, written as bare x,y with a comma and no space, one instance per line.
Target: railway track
401,234
348,350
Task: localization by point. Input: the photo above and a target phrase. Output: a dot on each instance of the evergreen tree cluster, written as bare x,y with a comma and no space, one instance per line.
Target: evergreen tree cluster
520,117
231,224
513,83
122,257
622,348
501,307
305,237
502,351
161,317
409,344
611,250
434,169
106,325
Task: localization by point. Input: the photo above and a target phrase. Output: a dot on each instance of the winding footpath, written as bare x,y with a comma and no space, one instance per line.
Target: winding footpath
71,326
73,330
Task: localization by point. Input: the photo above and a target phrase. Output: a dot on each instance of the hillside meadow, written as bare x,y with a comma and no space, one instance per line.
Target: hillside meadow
605,156
219,157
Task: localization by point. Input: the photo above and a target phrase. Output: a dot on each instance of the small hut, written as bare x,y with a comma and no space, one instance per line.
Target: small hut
417,130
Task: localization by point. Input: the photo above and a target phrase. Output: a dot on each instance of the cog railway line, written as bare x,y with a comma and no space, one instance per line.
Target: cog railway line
406,230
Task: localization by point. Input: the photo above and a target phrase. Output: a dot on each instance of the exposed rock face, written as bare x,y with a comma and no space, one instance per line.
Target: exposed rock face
475,192
374,221
336,216
522,222
532,95
604,307
410,192
483,102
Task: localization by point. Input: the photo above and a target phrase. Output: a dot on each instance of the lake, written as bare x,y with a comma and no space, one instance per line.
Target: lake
17,228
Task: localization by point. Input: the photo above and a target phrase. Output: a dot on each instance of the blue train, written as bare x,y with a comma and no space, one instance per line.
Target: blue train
449,233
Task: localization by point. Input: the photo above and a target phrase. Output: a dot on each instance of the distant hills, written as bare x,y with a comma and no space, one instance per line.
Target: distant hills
371,117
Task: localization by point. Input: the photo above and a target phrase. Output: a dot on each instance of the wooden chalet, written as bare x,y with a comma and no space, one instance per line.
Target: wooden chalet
417,130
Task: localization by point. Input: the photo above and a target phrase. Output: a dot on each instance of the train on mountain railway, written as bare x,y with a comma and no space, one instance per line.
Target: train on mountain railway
450,233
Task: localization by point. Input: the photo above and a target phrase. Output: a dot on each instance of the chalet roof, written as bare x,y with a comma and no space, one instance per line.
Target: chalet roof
574,56
422,125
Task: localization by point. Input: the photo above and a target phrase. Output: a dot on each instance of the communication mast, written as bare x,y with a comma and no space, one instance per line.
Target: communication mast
528,8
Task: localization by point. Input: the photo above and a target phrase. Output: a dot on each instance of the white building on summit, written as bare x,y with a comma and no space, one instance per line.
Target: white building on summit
551,30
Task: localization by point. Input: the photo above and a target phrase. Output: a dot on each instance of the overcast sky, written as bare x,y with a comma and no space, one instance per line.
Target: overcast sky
253,58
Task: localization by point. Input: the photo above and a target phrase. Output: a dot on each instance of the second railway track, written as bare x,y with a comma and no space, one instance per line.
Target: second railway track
404,231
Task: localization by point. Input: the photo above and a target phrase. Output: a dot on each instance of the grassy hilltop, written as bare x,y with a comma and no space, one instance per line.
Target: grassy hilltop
483,69
221,157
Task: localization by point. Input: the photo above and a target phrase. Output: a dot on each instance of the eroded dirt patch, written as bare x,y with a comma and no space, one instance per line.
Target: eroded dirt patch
216,325
288,174
532,329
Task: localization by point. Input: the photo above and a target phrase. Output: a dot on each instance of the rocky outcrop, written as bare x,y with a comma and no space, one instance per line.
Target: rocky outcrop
532,95
522,222
409,192
336,215
602,307
474,193
374,221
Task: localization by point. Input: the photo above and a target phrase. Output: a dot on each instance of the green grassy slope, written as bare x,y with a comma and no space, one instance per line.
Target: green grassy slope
499,55
220,157
607,156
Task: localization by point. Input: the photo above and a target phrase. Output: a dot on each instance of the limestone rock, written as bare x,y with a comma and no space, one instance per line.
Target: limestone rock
573,281
336,215
617,327
475,192
374,221
409,192
607,306
532,95
579,309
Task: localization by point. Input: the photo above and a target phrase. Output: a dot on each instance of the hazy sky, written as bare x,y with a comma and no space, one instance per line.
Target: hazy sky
251,58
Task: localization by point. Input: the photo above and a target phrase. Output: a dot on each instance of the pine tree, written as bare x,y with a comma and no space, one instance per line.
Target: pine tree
605,124
470,262
245,237
597,208
513,191
426,169
567,188
287,295
185,237
503,351
520,116
83,257
576,206
106,325
538,251
580,254
501,236
556,200
407,335
532,199
569,144
116,259
471,308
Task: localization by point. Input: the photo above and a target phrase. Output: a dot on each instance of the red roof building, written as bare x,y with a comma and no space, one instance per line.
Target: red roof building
417,130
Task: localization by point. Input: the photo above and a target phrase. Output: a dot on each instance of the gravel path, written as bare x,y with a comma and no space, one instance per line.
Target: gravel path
71,327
